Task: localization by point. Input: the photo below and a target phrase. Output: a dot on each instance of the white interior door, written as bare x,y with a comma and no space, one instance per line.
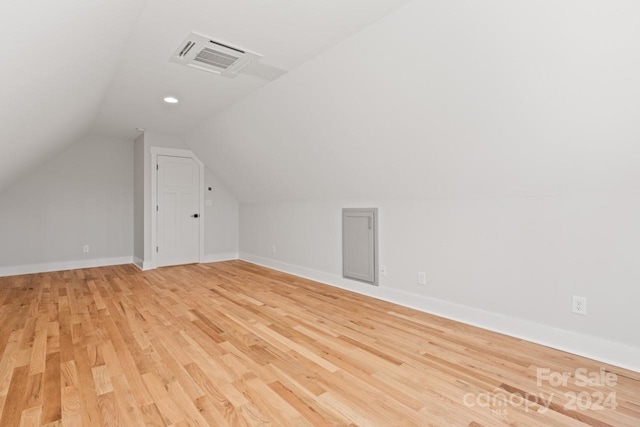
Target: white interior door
178,207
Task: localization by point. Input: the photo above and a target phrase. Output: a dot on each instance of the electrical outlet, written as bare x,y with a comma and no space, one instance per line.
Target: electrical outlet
383,270
422,278
273,249
85,249
579,305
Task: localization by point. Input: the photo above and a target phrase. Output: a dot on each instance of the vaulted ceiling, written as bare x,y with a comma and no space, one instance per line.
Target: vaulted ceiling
446,99
73,67
57,60
377,98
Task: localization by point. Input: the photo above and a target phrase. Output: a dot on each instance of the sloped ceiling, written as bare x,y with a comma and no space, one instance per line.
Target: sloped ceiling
57,59
437,99
286,32
444,100
73,67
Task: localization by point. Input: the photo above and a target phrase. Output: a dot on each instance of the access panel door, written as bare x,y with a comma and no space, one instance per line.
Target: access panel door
359,244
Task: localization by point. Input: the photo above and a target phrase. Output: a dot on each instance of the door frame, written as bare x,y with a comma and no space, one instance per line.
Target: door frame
173,152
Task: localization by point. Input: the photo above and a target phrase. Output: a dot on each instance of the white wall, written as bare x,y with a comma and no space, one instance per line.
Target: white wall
82,196
221,221
140,170
499,140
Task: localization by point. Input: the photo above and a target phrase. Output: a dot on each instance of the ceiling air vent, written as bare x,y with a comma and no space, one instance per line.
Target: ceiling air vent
203,53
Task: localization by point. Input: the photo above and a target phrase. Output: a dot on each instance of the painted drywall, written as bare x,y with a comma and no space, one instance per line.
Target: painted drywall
140,170
500,142
83,196
221,221
447,99
286,32
49,100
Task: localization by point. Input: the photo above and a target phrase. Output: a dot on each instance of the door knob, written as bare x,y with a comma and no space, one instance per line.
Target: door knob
195,216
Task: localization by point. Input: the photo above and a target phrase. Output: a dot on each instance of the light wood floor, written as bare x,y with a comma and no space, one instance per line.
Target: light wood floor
236,344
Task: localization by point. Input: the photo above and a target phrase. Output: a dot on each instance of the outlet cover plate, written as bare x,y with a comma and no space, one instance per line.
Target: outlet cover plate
579,305
422,278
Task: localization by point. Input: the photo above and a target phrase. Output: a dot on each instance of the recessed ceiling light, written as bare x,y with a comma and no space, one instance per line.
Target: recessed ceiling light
170,100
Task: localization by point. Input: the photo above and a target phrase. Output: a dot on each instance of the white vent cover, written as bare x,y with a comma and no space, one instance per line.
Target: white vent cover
203,53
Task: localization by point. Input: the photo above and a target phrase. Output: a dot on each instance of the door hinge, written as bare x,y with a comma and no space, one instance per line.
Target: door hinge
157,208
157,167
156,249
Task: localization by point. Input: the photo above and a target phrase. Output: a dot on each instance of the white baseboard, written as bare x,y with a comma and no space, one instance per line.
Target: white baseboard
63,265
142,265
228,256
613,353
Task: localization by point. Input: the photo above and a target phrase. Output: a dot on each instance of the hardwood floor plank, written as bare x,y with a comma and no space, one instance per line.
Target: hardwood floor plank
102,380
152,416
112,416
210,413
309,412
89,408
7,363
167,407
16,397
35,386
51,409
31,417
